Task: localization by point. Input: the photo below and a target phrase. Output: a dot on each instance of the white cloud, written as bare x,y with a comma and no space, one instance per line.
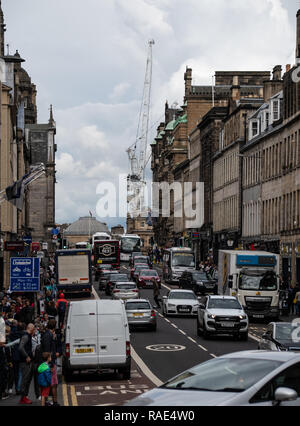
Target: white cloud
93,70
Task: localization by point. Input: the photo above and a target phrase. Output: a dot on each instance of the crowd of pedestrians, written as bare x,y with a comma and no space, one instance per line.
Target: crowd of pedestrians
31,343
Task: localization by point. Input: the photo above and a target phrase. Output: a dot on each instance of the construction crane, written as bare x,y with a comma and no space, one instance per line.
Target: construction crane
138,160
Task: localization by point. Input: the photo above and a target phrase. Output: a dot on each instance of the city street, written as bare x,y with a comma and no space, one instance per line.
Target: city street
157,357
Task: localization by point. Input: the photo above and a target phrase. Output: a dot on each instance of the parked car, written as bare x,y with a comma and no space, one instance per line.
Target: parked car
124,291
104,277
140,313
97,337
249,378
280,336
219,315
199,282
180,302
114,278
146,277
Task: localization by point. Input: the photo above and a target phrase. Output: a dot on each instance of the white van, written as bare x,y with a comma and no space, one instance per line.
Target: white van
97,337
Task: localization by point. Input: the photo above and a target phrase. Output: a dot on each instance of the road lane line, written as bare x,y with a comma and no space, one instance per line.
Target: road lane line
204,349
65,393
144,368
192,340
74,397
182,332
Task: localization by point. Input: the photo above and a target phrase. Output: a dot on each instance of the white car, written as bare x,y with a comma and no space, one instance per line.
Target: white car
222,315
125,291
250,378
180,302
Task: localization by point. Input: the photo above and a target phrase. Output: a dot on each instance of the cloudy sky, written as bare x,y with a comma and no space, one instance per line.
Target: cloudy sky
88,59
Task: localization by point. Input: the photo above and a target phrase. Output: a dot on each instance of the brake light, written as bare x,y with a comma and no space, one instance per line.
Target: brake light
116,291
127,348
153,314
135,291
67,350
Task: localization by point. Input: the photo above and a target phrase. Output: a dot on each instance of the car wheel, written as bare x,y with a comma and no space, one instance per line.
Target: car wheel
68,374
126,373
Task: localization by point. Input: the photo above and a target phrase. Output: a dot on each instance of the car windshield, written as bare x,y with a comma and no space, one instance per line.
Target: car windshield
137,306
119,277
221,303
182,296
284,332
224,375
258,280
148,273
183,259
198,276
125,286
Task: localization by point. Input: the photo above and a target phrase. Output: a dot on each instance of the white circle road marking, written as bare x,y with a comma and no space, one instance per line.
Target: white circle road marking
166,348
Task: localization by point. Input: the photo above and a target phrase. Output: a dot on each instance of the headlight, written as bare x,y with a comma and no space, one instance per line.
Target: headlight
210,316
243,317
171,306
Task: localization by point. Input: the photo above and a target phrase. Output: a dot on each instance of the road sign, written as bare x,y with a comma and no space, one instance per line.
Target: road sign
24,274
14,246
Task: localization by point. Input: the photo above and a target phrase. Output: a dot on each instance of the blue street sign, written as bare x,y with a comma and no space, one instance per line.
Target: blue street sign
24,274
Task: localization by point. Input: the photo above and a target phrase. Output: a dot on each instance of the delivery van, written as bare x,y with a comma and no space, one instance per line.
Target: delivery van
96,338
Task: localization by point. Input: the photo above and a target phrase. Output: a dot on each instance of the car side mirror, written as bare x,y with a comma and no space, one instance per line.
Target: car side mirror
285,394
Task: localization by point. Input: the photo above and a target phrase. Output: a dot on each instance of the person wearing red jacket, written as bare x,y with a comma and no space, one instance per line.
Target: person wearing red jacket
61,306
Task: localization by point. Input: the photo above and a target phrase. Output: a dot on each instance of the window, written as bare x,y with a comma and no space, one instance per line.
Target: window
289,378
276,110
254,128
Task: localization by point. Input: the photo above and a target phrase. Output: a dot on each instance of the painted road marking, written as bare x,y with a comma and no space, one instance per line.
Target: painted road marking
165,348
145,369
65,392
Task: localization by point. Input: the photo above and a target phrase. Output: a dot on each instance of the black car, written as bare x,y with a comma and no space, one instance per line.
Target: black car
99,269
104,277
199,282
112,280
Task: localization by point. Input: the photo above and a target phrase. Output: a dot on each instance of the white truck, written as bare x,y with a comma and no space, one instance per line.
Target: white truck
253,278
74,271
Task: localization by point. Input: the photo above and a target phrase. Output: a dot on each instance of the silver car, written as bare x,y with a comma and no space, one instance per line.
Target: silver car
125,291
250,378
280,336
222,315
180,302
140,313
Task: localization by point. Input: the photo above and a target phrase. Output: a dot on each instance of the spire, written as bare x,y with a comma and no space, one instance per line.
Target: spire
2,31
51,119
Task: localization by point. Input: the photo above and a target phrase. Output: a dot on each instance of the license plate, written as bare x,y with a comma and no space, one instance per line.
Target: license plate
138,315
184,310
258,316
84,351
227,324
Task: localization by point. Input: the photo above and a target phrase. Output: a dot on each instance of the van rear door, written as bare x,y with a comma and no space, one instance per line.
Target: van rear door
83,335
112,339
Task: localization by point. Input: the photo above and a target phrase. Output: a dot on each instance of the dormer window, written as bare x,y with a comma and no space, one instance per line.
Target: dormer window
254,129
276,109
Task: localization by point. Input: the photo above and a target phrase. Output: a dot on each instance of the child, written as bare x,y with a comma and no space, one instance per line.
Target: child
44,378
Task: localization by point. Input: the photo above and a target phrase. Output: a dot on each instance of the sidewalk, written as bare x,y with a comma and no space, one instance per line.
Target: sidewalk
14,399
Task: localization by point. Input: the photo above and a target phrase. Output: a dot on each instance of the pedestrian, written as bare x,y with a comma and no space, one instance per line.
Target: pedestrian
51,310
37,358
27,313
45,378
3,360
9,363
16,332
61,306
26,363
156,293
51,342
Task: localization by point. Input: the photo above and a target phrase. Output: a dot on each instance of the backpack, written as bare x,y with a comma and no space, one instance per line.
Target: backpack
61,309
44,379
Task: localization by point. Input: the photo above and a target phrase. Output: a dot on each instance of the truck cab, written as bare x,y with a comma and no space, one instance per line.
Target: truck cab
253,278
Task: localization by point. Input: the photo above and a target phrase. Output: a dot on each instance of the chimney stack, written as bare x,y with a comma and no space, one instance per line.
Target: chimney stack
235,89
188,80
277,72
